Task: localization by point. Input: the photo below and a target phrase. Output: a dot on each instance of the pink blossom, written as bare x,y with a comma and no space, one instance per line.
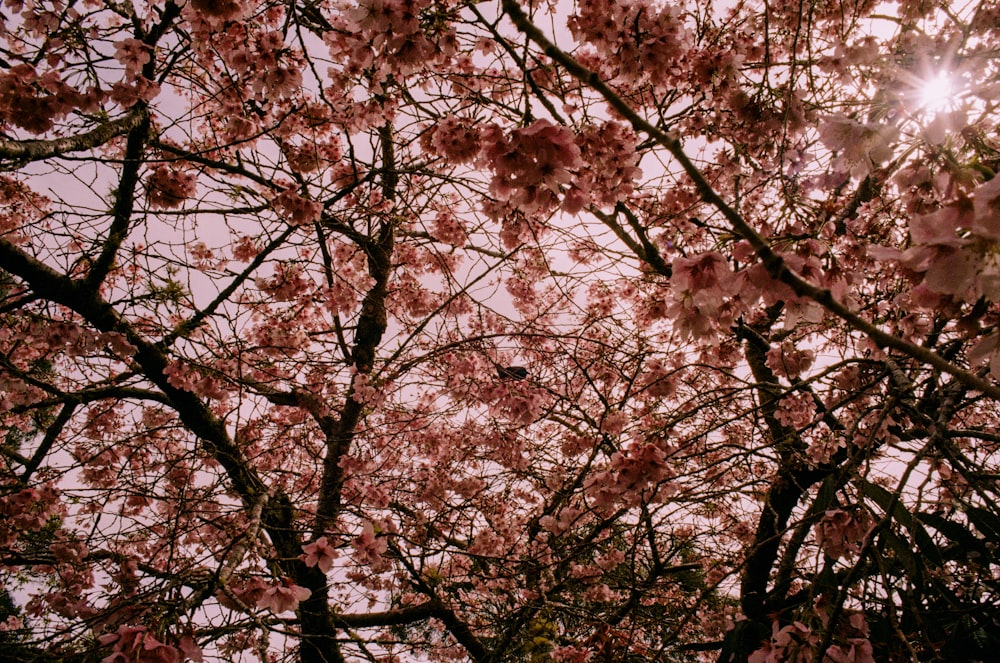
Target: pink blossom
34,101
168,187
706,276
792,643
788,361
367,392
311,156
127,95
566,519
12,623
531,164
987,348
823,446
636,40
986,210
520,408
248,592
632,475
614,423
297,209
136,643
69,552
702,285
278,81
599,593
841,534
283,597
190,649
861,146
611,164
229,10
382,16
134,54
453,138
568,654
449,229
857,650
796,410
368,547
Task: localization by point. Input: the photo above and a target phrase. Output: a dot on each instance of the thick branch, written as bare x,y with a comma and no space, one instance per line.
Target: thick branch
409,615
124,202
51,434
25,151
372,323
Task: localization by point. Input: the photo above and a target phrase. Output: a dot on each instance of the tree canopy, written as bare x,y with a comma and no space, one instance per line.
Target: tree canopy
499,331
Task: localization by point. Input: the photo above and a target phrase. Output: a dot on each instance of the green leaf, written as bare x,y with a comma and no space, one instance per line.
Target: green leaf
897,511
966,540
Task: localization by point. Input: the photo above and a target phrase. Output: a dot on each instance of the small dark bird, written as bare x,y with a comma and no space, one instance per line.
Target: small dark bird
512,372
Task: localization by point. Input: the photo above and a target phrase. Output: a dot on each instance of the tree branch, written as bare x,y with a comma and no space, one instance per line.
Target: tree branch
20,152
124,202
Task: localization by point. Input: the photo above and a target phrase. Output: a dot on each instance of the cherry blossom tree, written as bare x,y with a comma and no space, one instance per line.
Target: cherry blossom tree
400,330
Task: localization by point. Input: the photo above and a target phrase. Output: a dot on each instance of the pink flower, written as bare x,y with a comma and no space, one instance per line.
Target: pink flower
796,410
788,361
229,10
69,552
133,54
319,553
702,285
531,164
127,95
861,146
858,650
190,649
449,229
168,187
33,101
986,207
298,210
279,81
283,597
369,547
453,138
841,534
135,643
12,623
612,164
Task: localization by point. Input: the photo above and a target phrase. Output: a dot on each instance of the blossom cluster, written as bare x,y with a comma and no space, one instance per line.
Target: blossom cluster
390,31
860,146
531,164
27,510
297,209
33,101
134,54
639,41
137,643
630,475
702,285
799,642
787,361
841,534
456,139
796,410
167,187
609,169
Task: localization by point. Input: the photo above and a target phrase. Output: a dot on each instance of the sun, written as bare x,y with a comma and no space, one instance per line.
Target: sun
937,94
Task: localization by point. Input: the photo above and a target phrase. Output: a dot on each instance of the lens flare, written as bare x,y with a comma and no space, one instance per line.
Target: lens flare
937,94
